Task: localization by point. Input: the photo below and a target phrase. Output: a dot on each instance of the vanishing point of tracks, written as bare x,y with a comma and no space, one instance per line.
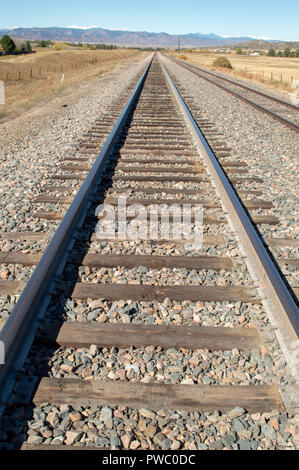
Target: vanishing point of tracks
154,154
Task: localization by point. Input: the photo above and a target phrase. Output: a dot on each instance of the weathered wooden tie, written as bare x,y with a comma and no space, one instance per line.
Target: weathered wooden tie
156,396
120,335
146,293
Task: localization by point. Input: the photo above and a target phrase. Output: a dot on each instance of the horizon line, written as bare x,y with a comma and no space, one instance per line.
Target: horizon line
153,32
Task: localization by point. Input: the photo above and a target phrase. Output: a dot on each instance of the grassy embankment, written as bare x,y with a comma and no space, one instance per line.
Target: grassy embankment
30,79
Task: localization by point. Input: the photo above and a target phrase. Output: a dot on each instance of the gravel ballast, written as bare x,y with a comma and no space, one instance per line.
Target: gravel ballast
30,154
122,427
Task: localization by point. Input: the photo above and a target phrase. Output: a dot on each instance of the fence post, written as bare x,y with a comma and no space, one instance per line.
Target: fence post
2,92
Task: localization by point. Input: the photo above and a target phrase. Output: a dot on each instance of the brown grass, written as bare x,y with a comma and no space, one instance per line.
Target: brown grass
273,72
31,78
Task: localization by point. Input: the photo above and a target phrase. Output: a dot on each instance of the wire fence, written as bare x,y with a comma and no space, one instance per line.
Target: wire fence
267,77
40,71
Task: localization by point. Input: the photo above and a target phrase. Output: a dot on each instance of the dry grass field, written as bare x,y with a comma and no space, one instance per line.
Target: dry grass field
273,72
31,78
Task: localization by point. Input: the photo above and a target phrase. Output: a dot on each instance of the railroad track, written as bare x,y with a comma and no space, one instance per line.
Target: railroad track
102,296
279,110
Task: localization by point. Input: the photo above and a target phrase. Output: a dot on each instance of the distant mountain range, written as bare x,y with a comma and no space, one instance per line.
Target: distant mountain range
124,38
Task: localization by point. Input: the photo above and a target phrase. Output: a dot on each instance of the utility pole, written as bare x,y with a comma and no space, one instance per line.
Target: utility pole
178,43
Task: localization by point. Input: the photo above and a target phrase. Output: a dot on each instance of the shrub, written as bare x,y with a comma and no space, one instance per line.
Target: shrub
182,57
59,46
222,62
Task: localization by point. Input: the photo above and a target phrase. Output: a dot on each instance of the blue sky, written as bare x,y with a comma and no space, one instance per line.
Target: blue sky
255,18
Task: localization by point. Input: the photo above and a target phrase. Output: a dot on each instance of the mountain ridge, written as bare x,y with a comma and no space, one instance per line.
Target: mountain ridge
121,37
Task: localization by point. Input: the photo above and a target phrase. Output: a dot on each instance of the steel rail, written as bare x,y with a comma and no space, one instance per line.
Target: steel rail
19,330
279,118
278,301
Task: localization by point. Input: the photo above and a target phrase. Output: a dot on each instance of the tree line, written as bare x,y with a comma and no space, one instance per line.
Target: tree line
286,53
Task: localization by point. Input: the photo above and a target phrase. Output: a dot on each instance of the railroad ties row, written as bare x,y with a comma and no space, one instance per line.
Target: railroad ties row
158,327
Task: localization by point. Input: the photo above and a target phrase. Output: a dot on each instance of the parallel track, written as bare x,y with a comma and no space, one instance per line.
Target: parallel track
154,154
279,110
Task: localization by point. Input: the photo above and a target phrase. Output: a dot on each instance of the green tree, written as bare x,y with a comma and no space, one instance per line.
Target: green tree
271,52
28,47
7,43
280,54
297,53
25,47
287,52
239,51
42,43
